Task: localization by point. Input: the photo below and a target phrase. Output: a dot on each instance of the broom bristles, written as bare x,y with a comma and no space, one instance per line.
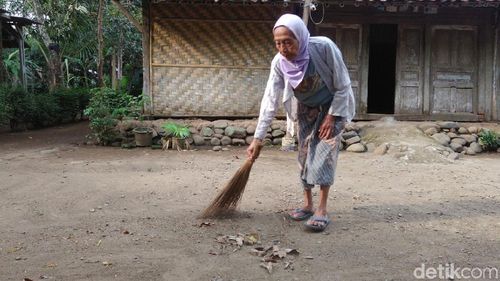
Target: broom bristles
229,197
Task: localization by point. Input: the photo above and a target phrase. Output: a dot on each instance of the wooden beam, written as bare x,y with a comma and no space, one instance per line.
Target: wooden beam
128,15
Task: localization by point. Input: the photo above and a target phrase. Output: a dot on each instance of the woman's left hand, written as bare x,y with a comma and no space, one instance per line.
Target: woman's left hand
326,128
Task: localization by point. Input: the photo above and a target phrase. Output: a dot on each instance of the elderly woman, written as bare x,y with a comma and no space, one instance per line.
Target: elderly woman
309,76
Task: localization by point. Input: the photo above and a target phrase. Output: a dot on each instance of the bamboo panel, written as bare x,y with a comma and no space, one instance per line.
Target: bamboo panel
182,91
214,43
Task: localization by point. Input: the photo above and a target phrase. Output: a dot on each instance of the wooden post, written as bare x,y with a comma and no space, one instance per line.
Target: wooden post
307,11
146,57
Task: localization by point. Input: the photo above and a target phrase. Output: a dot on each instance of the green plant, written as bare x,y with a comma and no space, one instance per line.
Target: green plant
174,133
176,130
106,107
489,140
6,109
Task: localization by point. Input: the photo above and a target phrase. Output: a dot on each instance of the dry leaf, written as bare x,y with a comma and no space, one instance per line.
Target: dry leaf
288,265
99,242
51,265
126,232
292,251
309,257
213,253
106,263
268,266
205,223
13,250
27,279
251,239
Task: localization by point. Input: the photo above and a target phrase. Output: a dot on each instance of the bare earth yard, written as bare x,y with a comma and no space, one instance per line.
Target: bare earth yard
75,212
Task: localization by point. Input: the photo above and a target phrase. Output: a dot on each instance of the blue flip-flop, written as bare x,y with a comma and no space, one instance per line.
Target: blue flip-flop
317,228
300,214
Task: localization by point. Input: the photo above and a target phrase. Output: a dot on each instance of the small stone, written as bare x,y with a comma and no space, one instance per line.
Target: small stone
353,140
92,210
352,127
277,141
476,147
225,149
275,126
218,132
425,126
249,139
219,136
452,135
220,124
456,147
470,151
459,141
454,156
198,140
349,134
215,141
268,136
235,132
463,130
217,148
473,130
237,141
277,133
381,149
357,147
225,140
251,129
431,131
267,142
207,132
448,125
469,138
193,130
442,139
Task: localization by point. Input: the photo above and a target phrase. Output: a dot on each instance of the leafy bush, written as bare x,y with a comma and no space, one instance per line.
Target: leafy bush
106,107
176,130
45,110
6,109
40,109
489,140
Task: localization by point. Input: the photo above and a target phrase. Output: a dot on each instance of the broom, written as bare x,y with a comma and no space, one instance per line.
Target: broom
229,197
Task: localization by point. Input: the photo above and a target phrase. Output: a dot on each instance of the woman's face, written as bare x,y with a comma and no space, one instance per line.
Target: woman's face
286,43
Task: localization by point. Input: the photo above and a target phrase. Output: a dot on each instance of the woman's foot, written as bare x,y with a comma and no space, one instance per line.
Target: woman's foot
301,214
319,221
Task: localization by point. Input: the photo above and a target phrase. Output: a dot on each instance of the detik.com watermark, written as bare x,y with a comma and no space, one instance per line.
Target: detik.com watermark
451,272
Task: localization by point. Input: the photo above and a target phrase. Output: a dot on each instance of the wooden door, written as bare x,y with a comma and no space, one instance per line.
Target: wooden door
409,70
454,63
348,39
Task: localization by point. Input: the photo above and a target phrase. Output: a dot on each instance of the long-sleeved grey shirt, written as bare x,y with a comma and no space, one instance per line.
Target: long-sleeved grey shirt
328,61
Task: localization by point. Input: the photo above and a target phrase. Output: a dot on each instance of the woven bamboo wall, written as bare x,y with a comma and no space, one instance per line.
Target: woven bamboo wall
210,60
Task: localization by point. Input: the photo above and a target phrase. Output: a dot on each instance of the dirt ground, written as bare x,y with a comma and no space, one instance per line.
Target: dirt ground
75,212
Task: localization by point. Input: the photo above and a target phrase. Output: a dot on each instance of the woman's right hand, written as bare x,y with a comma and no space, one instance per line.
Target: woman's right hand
253,150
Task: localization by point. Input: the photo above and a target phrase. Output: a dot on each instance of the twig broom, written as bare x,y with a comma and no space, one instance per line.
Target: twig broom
230,196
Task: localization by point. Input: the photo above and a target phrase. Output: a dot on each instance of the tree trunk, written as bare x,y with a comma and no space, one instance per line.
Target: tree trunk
100,47
54,59
114,79
3,71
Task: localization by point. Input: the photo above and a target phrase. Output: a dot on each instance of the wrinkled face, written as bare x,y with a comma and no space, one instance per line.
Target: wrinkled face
286,43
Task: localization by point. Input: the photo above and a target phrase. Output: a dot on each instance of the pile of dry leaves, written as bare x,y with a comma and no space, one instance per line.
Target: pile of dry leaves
270,255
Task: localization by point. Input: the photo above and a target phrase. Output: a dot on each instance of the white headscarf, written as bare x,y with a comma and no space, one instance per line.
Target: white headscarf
294,70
